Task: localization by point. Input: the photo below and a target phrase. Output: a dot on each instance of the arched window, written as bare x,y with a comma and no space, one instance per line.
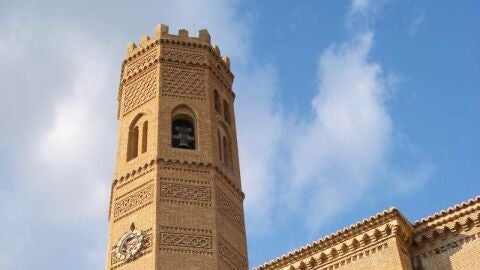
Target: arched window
226,112
144,136
216,98
224,145
227,152
132,151
183,132
137,137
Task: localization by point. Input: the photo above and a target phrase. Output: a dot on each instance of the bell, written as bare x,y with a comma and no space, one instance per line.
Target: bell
183,143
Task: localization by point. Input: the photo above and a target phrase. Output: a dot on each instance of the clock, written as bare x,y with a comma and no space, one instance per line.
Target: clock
130,244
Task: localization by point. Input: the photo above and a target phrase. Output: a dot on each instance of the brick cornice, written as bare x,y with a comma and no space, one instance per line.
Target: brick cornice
454,212
206,165
340,236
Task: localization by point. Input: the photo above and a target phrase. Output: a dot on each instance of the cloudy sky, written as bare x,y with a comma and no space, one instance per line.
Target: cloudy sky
344,108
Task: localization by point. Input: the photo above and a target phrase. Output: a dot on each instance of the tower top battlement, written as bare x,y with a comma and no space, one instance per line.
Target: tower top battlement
161,32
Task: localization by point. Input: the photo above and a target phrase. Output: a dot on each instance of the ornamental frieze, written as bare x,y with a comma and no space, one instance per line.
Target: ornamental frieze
231,256
231,212
133,202
185,192
178,239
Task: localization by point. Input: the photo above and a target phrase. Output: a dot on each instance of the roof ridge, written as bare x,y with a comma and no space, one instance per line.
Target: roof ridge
304,248
445,212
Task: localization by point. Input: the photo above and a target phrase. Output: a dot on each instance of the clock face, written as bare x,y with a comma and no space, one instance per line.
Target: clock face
129,245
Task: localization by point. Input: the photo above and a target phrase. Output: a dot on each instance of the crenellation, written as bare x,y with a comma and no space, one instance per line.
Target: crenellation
161,30
204,36
226,61
183,34
144,41
131,48
216,49
220,66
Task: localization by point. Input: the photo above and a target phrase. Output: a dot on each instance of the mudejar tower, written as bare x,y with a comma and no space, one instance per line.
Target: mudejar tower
176,198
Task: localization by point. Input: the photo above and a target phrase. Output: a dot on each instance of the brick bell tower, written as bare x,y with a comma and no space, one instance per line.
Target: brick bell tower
176,199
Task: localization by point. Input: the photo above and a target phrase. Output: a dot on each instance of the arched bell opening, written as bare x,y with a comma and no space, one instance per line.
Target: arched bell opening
183,132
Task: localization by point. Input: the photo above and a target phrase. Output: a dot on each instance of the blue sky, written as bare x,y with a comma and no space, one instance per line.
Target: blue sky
356,106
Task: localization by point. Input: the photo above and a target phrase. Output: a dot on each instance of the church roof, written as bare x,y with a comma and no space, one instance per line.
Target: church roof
369,223
336,237
444,213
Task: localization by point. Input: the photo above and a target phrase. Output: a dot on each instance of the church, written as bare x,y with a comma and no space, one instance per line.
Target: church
176,198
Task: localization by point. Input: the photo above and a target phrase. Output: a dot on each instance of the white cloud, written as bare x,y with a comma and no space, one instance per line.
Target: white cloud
418,20
363,13
259,132
335,156
346,149
60,184
360,5
364,6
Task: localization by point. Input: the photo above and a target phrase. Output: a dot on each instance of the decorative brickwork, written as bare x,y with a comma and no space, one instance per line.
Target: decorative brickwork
343,261
186,194
140,63
182,54
179,167
186,240
227,208
455,245
131,178
448,239
133,202
139,90
176,239
229,185
184,181
183,82
231,256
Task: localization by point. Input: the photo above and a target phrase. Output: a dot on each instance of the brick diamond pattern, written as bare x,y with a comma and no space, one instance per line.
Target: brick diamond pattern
183,82
139,91
182,55
140,63
231,256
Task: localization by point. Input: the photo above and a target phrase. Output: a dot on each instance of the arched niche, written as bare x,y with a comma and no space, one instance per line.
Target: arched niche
183,128
137,136
225,145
